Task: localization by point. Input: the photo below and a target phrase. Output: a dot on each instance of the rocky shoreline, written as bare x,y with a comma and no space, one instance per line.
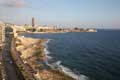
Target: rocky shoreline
32,52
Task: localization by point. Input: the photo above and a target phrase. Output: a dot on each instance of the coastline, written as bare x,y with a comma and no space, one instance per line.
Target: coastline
43,68
44,32
60,67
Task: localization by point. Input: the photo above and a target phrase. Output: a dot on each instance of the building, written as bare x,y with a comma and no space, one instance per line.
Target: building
0,35
33,22
2,29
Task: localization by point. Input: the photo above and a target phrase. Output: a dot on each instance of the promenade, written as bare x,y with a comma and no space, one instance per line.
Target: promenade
11,70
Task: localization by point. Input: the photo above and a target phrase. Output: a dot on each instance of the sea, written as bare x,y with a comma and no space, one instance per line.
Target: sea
89,55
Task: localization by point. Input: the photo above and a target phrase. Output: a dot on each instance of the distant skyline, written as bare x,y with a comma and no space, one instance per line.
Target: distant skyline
87,13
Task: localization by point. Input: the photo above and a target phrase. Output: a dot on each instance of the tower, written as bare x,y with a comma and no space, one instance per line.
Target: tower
33,22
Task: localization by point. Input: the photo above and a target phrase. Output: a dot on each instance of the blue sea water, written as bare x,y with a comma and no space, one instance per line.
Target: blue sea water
96,55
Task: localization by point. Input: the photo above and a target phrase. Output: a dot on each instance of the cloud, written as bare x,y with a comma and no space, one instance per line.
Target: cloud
13,3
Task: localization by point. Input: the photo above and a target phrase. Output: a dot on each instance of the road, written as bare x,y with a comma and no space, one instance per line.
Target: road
11,71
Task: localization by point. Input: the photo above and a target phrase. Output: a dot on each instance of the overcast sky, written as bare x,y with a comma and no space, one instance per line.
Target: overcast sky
93,13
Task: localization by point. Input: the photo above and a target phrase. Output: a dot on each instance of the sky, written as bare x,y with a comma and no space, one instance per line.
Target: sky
85,13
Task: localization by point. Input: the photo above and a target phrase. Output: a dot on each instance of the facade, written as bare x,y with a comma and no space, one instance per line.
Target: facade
2,29
0,35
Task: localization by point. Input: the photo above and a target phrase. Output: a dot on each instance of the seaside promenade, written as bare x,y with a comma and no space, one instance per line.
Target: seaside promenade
11,71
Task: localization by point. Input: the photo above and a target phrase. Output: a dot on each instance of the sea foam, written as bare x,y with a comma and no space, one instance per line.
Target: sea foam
46,52
60,67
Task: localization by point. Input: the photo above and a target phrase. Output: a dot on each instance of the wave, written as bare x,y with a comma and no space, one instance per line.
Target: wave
57,65
69,72
46,52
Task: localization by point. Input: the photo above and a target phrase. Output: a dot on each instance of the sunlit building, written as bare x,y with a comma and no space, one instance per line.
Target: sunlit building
2,27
